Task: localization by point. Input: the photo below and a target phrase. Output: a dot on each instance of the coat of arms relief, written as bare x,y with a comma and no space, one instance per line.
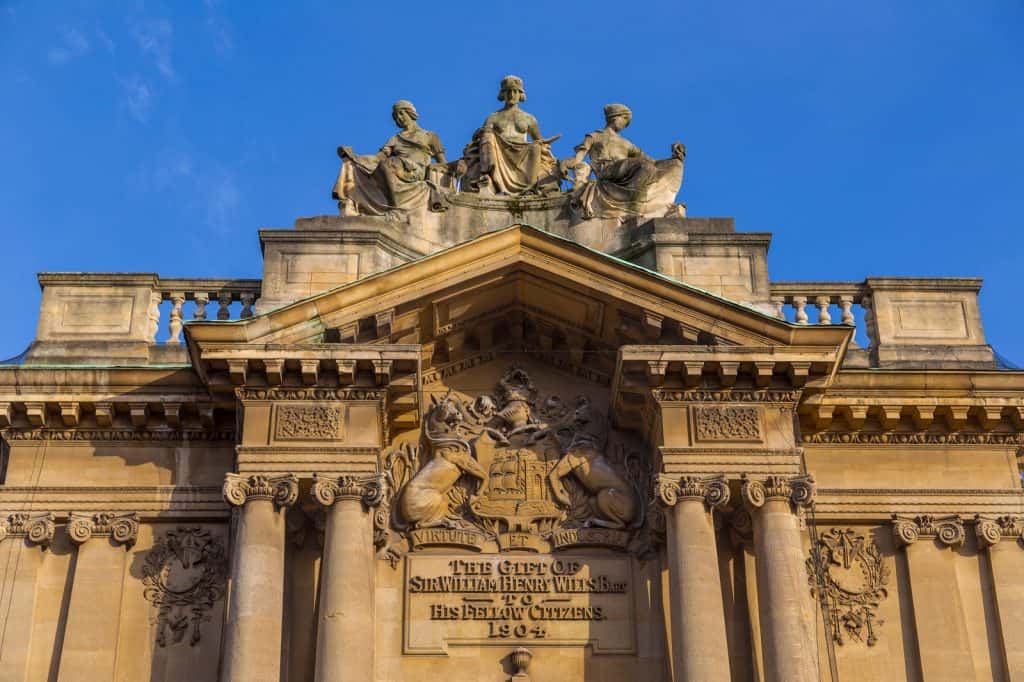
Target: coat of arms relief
514,467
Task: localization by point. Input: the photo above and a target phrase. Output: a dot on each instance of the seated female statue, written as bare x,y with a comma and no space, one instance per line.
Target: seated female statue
394,180
500,160
628,182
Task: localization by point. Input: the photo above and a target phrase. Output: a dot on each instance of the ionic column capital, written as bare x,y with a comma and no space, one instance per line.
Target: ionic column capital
712,491
991,529
282,489
369,489
37,529
121,527
949,530
798,491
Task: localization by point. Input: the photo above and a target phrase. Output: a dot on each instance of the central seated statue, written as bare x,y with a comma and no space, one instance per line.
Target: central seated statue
502,160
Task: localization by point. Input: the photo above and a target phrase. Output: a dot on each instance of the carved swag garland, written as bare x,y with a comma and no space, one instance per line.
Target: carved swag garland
185,574
511,462
851,575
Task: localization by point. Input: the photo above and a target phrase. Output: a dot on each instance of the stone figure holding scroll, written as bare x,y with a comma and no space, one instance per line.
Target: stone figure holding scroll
627,181
395,179
507,154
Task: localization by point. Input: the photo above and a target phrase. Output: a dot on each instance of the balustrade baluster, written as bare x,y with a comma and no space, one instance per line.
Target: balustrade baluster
823,302
224,299
154,316
176,324
846,306
778,302
201,299
247,302
800,304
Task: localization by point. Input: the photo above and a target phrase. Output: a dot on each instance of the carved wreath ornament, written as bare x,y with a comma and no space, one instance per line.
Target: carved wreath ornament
185,575
849,571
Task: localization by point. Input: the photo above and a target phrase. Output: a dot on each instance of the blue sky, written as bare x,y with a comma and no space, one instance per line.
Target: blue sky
872,137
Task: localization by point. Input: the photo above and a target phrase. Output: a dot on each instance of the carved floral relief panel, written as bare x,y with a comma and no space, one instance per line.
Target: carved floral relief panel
727,424
308,422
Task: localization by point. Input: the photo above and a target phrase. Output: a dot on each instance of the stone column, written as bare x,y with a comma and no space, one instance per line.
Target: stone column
942,637
788,631
89,651
252,642
345,625
21,557
700,650
1001,536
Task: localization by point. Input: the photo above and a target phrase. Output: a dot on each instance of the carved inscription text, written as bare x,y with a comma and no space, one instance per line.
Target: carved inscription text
543,600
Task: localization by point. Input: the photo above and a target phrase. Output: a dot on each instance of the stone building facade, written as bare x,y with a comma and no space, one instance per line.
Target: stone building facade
492,434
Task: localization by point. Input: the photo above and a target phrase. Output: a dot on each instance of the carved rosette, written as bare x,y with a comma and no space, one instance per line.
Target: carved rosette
990,530
121,527
949,530
370,490
847,571
798,491
185,574
282,489
37,529
713,491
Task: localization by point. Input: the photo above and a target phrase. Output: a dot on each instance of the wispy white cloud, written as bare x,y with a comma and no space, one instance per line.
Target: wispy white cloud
138,97
219,28
222,200
73,45
153,37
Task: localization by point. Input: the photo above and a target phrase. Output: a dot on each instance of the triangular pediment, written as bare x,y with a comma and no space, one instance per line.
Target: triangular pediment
560,291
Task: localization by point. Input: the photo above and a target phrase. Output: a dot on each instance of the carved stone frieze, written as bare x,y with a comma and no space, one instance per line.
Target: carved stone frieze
283,489
727,423
185,574
990,530
121,527
370,490
310,393
912,438
726,395
798,491
114,435
37,528
308,422
949,530
713,491
846,570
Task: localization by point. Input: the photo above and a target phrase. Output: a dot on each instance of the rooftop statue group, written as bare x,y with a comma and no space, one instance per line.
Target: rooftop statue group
508,157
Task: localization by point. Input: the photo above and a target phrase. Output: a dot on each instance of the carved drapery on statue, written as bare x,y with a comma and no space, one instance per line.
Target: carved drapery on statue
627,181
395,179
507,157
500,159
524,470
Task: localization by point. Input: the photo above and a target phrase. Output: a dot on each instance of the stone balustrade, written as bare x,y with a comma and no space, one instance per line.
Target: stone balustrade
203,293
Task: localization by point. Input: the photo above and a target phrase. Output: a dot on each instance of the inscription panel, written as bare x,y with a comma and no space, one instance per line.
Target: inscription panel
538,600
